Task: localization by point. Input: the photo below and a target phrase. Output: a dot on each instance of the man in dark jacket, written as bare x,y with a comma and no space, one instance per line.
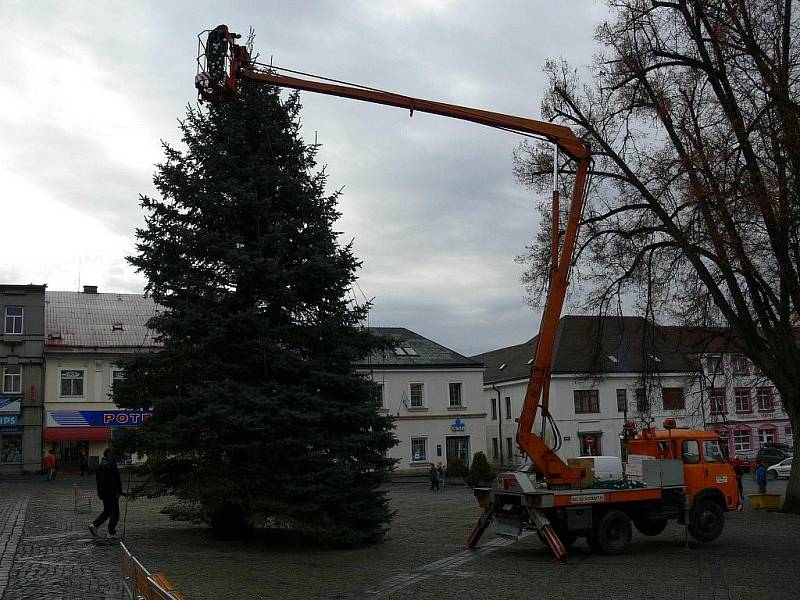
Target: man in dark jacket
109,489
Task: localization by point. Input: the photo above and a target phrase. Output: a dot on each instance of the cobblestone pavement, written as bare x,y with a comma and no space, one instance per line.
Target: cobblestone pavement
47,553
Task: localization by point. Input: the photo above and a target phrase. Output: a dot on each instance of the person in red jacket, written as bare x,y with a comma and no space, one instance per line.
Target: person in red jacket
50,465
109,489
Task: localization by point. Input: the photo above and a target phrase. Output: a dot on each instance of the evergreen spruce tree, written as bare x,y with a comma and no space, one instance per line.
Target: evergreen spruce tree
258,413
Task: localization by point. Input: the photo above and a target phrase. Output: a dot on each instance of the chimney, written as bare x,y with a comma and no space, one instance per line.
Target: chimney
90,289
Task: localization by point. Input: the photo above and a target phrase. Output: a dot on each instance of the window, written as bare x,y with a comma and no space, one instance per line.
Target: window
673,398
72,382
10,448
713,365
495,449
642,404
716,401
740,365
419,449
379,396
712,451
764,398
13,319
742,399
766,436
741,440
12,379
508,407
455,394
690,450
509,447
417,395
494,409
622,400
117,375
587,401
723,440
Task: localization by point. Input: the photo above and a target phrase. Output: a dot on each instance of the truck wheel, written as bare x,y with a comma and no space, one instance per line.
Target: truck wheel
707,521
647,527
612,535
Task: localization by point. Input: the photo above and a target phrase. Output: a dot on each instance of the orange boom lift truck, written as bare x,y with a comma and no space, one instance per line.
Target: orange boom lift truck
679,474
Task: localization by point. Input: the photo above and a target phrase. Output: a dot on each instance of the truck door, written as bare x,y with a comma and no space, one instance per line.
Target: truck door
719,473
693,469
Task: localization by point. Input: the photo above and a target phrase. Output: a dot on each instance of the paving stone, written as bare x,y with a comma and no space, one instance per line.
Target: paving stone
46,552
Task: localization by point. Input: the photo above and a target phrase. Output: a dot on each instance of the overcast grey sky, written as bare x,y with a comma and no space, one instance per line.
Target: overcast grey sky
90,88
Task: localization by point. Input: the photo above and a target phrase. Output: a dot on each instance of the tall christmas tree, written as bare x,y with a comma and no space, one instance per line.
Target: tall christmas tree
259,415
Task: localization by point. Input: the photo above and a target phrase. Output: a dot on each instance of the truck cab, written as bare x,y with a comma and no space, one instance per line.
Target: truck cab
707,475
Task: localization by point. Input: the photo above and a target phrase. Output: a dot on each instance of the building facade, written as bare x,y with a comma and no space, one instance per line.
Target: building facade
435,396
742,405
88,334
21,367
604,373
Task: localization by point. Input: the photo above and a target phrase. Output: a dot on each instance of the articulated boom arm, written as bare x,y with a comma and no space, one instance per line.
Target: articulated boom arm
225,61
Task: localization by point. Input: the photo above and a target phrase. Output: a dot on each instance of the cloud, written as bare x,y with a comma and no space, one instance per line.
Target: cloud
430,202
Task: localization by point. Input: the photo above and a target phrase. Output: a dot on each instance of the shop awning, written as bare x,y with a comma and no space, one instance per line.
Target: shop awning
89,434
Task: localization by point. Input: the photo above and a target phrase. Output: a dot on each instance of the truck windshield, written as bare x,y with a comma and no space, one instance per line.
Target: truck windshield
712,452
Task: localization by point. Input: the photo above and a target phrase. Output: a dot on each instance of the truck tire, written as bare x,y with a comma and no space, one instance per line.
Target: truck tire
707,521
647,527
612,534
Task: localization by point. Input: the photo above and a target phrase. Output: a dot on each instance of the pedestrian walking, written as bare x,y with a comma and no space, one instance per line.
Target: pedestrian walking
434,477
440,472
84,463
761,477
50,465
738,471
109,489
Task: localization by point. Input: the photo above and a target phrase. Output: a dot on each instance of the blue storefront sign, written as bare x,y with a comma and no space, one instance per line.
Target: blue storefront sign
9,420
97,418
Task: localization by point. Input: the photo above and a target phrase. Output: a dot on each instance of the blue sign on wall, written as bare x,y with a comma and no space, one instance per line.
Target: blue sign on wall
9,420
97,418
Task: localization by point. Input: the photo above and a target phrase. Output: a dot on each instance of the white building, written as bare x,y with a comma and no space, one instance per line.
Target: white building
435,396
86,334
604,372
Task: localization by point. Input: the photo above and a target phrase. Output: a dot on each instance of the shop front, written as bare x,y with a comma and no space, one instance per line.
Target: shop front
10,432
71,433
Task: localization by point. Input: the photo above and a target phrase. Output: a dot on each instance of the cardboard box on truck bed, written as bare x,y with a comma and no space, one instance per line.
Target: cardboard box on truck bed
583,463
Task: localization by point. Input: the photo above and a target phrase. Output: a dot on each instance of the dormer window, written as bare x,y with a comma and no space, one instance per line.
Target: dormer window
117,327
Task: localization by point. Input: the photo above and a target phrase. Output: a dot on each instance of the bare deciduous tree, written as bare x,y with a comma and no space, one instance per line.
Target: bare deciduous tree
692,111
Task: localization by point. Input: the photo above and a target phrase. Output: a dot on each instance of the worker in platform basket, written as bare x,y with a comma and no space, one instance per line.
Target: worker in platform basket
216,49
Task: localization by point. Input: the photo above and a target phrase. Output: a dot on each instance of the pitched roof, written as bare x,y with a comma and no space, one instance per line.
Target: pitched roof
76,321
414,351
592,345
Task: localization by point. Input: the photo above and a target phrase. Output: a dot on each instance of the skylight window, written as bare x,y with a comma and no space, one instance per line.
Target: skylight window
655,358
501,367
399,351
613,358
530,361
410,351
